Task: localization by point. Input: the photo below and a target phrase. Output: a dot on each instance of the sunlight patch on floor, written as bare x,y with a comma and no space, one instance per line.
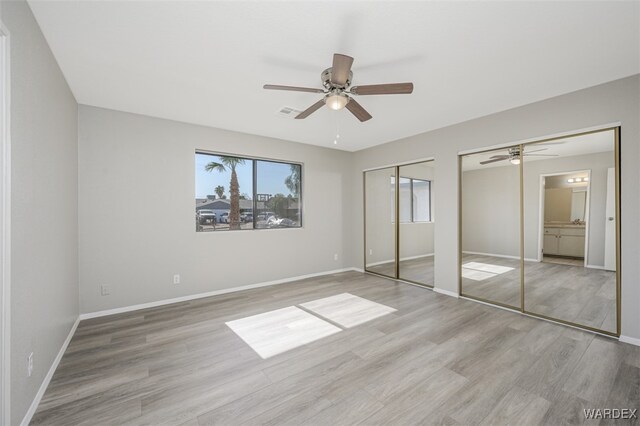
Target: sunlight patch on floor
275,332
347,310
281,330
481,271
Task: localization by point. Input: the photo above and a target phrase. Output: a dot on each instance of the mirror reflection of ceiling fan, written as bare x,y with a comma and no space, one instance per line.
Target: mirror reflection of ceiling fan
338,92
514,156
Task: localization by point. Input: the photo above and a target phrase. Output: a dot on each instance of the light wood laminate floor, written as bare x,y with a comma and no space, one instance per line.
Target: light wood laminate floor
436,360
418,270
577,294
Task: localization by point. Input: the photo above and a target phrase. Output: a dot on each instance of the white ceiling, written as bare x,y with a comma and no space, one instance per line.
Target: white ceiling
206,62
591,143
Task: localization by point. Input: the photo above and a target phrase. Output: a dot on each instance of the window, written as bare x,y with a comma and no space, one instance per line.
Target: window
415,200
239,193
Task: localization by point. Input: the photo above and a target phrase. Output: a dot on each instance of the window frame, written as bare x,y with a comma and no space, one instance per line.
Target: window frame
411,193
254,168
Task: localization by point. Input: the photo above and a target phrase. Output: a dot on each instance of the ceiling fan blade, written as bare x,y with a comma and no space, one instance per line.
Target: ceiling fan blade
357,110
313,108
383,89
551,143
341,68
541,155
502,157
495,160
292,88
537,150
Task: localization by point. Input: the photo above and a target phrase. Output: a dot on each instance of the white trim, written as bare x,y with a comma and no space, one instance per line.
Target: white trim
404,163
207,294
541,138
47,378
541,213
420,256
5,227
504,256
597,267
446,292
630,340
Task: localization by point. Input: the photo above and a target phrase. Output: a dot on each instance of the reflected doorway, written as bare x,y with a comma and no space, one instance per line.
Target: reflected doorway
564,213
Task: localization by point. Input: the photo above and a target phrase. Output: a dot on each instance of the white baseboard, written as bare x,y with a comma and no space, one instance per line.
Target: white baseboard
207,294
446,292
504,256
382,262
630,340
596,267
420,256
45,383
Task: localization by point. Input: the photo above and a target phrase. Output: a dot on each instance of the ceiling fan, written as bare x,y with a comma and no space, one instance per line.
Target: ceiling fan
338,92
514,156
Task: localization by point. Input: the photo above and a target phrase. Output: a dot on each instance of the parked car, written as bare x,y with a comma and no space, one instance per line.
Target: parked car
206,216
266,215
246,217
224,217
281,223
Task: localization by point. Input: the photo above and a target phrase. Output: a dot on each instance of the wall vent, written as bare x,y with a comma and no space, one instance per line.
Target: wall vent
288,112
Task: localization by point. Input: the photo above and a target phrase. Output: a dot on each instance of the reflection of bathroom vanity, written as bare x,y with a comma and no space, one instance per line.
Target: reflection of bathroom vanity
564,240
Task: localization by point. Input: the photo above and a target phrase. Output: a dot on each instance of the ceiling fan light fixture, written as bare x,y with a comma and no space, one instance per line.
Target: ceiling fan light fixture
515,161
336,101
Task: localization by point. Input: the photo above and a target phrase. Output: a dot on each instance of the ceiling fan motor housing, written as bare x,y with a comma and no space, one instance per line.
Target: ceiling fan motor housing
326,80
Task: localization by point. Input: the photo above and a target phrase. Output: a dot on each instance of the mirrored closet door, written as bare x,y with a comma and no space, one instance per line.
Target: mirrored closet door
490,225
569,188
380,229
416,226
399,222
540,231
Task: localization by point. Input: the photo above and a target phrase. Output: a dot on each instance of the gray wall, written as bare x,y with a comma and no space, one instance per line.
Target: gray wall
491,200
136,193
491,211
617,101
44,212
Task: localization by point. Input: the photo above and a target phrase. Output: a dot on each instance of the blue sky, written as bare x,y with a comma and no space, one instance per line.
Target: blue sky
271,177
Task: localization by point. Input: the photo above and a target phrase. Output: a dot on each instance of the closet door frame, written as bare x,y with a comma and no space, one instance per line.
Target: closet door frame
616,151
396,200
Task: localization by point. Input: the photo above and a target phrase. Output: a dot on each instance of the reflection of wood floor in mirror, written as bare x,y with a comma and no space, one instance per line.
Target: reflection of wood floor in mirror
418,270
580,295
436,360
563,260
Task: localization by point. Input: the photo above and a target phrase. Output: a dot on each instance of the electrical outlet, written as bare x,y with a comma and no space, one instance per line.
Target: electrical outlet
335,256
176,279
105,290
30,365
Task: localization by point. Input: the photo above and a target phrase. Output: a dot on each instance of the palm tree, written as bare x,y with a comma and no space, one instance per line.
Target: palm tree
293,180
234,187
219,191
